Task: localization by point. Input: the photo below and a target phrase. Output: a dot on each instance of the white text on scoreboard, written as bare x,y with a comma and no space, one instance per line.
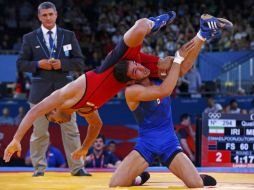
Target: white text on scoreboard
221,123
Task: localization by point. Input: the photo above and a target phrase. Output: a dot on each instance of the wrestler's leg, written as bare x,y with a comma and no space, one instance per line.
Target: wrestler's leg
192,56
136,34
209,27
184,169
132,166
166,63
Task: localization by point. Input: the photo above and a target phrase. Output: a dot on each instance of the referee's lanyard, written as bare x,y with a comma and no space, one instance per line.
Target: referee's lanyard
102,161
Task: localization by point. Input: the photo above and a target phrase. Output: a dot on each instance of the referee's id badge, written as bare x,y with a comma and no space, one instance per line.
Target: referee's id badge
67,53
67,47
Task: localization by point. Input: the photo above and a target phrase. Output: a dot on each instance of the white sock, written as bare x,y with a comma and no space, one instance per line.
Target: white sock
137,180
200,37
152,23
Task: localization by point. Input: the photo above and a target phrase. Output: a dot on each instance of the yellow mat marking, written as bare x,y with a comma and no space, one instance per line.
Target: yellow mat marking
99,181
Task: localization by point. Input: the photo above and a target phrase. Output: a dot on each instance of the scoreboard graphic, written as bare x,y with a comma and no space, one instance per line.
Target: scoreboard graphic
227,140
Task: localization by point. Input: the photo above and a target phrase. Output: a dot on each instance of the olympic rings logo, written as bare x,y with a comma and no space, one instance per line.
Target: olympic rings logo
214,115
252,116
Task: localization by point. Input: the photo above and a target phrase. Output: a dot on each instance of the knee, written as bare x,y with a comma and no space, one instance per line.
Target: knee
142,25
195,183
39,135
116,182
113,183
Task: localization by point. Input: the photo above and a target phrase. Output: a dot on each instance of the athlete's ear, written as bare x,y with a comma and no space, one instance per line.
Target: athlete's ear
131,82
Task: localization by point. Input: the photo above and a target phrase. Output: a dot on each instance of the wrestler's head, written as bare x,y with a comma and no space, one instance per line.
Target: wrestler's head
58,116
128,70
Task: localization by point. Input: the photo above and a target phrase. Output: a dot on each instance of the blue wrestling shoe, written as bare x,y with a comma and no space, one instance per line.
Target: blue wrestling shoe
162,20
210,26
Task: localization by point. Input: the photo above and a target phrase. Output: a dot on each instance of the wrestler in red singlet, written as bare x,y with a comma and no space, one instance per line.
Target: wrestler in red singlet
102,86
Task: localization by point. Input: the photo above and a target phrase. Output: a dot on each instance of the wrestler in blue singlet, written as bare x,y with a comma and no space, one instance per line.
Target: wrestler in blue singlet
156,130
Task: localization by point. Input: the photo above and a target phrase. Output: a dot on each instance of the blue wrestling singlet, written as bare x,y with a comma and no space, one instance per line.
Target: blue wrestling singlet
156,130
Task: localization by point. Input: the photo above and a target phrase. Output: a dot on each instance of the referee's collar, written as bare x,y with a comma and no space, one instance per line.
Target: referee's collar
45,30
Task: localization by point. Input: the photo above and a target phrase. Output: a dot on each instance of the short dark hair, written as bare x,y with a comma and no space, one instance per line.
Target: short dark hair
100,136
46,5
210,96
111,142
233,101
184,116
120,71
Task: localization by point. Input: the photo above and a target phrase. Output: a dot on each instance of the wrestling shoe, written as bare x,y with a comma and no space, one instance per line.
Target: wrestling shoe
208,180
82,172
162,20
141,179
37,174
144,177
211,26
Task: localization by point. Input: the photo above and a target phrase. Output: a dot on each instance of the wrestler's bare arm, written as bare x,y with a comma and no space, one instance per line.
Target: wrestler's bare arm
138,93
48,104
164,66
39,109
166,63
93,130
63,98
192,56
